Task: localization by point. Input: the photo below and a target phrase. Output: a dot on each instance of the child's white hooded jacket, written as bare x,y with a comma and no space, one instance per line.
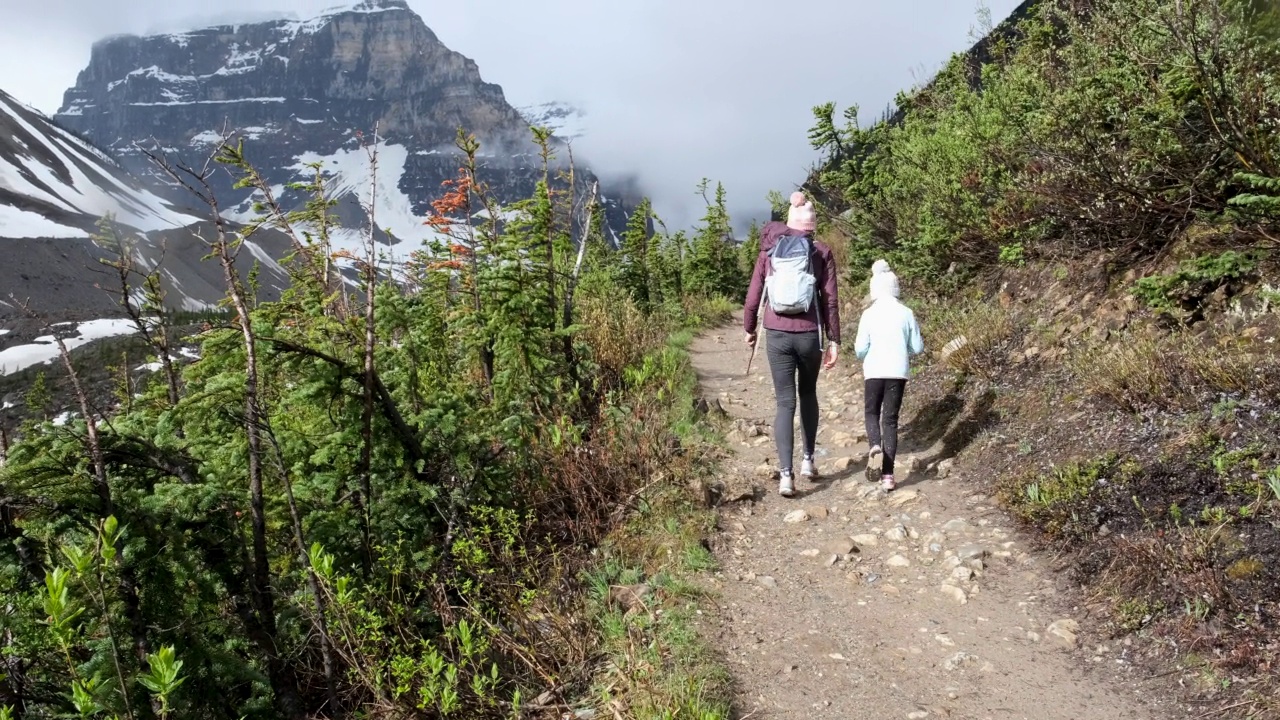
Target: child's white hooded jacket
887,332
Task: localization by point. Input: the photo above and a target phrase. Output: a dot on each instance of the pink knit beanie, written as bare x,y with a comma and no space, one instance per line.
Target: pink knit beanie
800,216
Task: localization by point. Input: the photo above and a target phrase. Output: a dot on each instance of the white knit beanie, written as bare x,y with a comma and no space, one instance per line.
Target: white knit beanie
884,285
880,266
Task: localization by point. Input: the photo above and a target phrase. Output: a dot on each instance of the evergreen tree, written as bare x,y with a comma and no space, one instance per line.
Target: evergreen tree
749,251
712,266
633,260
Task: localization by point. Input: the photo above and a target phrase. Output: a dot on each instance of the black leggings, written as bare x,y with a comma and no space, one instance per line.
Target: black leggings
792,357
883,401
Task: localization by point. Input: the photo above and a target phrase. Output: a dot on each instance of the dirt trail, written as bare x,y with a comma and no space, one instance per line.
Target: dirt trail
918,604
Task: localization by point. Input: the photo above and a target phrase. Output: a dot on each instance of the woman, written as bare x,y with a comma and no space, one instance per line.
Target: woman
887,336
797,276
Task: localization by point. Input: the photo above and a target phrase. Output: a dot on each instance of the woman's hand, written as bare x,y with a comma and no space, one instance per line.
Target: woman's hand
751,339
832,354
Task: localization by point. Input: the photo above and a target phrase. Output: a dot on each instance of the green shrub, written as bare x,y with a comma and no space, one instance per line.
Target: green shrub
1065,500
1110,125
1181,293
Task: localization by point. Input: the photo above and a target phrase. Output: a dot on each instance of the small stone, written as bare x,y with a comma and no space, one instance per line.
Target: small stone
865,490
739,527
1033,636
1064,632
918,715
811,552
959,660
896,534
890,589
818,511
898,561
945,640
765,471
767,581
842,464
839,547
955,593
629,597
902,497
945,467
866,540
832,560
971,552
913,533
958,525
962,574
935,548
796,516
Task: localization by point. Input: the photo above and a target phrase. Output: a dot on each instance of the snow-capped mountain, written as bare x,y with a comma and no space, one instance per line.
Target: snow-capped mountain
54,187
313,91
563,120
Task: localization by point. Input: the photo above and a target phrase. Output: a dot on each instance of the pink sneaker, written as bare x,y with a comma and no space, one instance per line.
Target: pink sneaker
887,483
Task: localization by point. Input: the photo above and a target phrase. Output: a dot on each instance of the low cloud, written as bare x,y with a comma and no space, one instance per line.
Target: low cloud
673,91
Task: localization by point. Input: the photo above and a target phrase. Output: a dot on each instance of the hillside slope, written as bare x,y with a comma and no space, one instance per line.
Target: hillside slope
54,188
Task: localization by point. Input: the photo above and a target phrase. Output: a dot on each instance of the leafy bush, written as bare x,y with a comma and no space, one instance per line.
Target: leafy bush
1106,125
1014,254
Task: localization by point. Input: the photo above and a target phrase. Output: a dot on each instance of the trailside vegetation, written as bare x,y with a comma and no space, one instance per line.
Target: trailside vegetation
374,497
1111,126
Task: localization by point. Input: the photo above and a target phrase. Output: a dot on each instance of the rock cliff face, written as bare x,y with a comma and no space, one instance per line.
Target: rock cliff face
303,91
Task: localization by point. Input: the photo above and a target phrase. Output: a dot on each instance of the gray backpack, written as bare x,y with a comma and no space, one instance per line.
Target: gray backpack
790,284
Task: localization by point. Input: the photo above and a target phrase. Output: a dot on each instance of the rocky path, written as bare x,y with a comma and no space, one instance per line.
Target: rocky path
844,602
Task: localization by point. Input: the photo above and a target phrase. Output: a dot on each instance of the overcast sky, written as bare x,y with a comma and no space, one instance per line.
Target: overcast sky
675,90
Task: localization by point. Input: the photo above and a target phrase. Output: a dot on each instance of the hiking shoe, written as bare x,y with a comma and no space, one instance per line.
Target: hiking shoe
787,485
875,462
888,484
807,469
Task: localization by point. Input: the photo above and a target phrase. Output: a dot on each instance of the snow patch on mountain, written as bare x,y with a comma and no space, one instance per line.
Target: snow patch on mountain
349,173
18,223
52,169
44,349
565,121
